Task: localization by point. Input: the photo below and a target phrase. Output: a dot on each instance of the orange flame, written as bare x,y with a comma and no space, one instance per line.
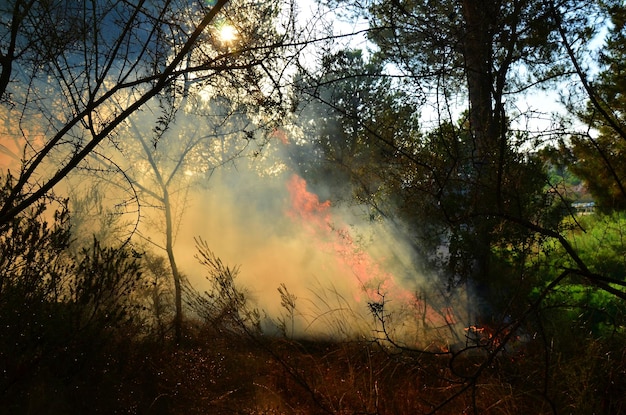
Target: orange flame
372,283
281,135
335,238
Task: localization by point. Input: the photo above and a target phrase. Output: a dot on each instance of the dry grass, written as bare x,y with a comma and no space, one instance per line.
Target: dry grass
219,373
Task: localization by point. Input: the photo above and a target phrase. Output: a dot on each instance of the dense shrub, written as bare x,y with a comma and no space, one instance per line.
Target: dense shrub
60,312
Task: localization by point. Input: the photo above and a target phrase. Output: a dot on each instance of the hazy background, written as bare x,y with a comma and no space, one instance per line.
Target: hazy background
333,257
248,201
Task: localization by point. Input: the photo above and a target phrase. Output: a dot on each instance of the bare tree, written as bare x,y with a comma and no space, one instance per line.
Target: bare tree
68,90
73,95
163,164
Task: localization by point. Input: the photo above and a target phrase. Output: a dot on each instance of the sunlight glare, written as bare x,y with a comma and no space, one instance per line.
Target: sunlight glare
228,33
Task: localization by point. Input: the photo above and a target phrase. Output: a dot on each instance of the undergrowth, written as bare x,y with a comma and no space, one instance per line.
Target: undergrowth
215,372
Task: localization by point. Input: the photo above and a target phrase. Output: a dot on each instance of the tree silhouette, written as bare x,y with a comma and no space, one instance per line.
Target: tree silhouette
72,90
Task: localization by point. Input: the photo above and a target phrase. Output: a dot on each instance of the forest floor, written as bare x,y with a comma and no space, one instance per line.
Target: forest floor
217,373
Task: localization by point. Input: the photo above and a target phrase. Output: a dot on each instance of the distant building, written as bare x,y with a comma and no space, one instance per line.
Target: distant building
584,208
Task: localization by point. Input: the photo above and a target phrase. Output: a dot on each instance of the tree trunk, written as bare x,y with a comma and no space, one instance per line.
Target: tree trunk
169,247
484,126
164,198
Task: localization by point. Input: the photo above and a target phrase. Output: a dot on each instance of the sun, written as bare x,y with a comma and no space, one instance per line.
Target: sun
228,33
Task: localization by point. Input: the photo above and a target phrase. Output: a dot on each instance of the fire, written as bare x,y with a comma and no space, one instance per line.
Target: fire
334,237
305,204
354,265
281,135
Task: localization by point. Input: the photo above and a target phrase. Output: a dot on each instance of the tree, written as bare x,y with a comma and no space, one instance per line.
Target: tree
464,60
85,84
353,122
191,141
476,175
598,159
70,91
592,246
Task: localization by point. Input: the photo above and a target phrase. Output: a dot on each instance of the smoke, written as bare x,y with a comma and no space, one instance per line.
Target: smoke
336,260
250,221
257,213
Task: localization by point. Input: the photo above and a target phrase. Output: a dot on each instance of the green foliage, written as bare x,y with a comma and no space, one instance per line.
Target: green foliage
599,160
367,142
439,193
353,119
600,243
431,43
599,173
476,191
70,318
